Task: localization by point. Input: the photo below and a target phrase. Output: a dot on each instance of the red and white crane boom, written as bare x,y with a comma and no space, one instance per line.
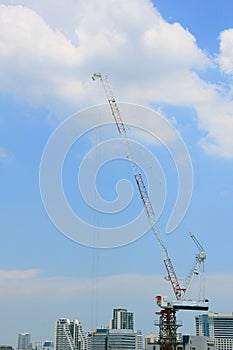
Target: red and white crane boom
178,291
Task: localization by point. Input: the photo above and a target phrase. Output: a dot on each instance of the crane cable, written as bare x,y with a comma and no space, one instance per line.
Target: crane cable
96,251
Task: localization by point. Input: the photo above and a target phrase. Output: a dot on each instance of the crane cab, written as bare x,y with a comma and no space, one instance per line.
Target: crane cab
191,305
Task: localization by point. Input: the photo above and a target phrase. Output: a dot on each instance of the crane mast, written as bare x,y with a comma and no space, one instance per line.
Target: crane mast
178,291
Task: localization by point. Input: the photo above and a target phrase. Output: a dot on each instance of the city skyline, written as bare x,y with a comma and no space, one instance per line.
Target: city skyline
212,328
171,61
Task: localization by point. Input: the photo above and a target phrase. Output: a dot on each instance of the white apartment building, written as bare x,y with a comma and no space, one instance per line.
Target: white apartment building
122,319
69,335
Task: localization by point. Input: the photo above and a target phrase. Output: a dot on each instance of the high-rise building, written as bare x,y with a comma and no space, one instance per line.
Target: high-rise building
139,340
122,319
124,339
97,339
119,335
114,339
69,335
24,341
218,327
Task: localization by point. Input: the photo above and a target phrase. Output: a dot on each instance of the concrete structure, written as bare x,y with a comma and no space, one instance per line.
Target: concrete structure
186,342
151,342
218,327
139,341
24,341
97,339
122,319
69,335
192,342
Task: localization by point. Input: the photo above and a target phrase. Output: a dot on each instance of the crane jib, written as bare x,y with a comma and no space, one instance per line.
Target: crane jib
178,291
140,183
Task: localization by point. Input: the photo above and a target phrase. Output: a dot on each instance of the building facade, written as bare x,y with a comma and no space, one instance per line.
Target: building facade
69,335
114,339
122,319
186,342
151,342
24,341
218,327
97,339
196,343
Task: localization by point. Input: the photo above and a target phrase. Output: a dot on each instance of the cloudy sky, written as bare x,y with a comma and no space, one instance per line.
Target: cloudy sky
167,60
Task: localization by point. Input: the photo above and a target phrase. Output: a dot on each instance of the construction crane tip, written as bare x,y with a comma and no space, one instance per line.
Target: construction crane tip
96,75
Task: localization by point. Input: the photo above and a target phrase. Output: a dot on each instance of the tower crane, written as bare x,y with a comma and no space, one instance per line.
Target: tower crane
168,326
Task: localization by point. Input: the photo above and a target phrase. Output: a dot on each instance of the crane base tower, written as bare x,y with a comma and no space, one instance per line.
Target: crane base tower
168,326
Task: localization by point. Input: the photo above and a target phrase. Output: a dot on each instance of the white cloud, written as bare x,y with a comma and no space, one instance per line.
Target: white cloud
31,284
37,62
225,58
17,274
5,154
48,58
217,119
91,300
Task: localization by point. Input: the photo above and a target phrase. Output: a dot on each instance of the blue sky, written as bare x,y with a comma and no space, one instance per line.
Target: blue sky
173,57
